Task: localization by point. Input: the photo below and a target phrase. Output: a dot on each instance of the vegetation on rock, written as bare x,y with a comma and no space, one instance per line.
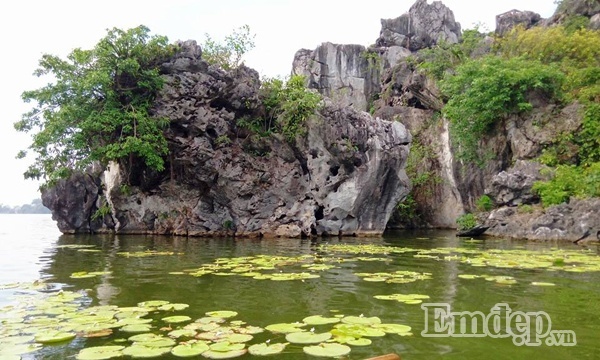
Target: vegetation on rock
98,107
228,53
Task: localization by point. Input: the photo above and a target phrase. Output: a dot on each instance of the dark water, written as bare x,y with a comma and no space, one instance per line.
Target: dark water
28,251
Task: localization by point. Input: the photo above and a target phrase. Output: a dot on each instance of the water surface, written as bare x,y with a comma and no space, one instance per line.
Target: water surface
31,248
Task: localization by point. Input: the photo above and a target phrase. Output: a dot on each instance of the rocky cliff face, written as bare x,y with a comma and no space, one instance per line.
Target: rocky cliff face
445,187
344,177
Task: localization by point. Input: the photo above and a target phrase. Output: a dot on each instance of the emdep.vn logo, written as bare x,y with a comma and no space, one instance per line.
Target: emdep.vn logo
526,328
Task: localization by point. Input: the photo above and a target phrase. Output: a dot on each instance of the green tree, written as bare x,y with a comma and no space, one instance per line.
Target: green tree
228,54
98,106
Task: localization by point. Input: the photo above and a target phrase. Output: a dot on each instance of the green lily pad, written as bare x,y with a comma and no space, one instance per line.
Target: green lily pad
537,283
144,337
19,349
320,320
285,328
81,275
182,333
138,328
359,342
152,304
49,337
100,352
404,298
226,346
239,338
361,320
211,354
327,350
468,276
223,314
173,307
392,328
158,342
306,337
190,349
138,351
264,349
176,319
357,330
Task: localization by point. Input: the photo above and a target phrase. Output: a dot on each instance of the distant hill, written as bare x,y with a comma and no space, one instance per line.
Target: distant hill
35,207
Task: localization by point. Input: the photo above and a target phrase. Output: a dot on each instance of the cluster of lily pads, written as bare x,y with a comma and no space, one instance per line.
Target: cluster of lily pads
152,329
396,277
580,260
264,267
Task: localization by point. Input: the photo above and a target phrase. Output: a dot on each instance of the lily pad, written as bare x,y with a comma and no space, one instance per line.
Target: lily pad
190,349
468,276
182,333
176,319
404,298
152,303
100,352
320,320
226,346
138,351
393,328
49,337
538,283
138,328
359,342
306,337
327,350
239,338
285,328
357,330
361,320
211,354
173,307
264,349
223,314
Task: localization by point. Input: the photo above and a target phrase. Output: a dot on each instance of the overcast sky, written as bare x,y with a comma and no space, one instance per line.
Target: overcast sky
31,28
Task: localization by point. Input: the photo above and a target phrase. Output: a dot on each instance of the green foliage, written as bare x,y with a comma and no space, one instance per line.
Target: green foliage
575,23
288,105
570,181
125,189
589,136
372,58
228,225
525,208
407,210
484,203
229,53
103,211
485,90
466,221
444,57
98,106
222,140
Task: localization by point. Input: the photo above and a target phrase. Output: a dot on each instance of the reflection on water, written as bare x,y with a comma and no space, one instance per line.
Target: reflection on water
30,249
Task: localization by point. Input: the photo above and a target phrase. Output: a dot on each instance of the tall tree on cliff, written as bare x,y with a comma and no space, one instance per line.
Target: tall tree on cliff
97,108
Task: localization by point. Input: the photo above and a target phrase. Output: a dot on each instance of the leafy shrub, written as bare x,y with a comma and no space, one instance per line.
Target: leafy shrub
487,89
97,106
466,221
228,54
288,105
568,181
525,208
485,203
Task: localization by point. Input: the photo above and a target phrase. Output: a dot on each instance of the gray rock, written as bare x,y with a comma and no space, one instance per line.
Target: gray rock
341,72
595,22
505,22
578,221
514,186
423,26
73,203
343,177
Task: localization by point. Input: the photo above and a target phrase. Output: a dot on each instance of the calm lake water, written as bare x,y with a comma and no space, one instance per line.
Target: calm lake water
32,248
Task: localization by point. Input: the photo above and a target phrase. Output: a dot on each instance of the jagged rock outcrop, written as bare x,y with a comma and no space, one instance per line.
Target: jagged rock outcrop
505,22
514,186
343,177
423,26
578,221
344,73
